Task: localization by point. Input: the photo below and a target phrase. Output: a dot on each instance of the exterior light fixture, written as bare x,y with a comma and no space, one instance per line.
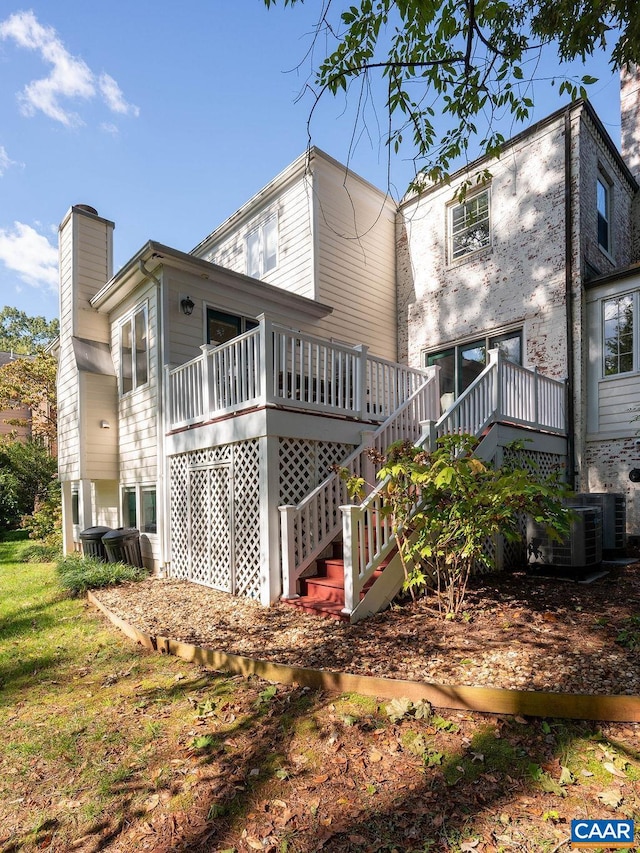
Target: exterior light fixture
187,305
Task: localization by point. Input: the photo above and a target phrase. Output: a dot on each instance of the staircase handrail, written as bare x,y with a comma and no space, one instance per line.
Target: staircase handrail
367,535
320,509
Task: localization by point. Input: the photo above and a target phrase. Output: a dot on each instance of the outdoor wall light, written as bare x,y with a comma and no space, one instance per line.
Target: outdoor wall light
105,425
187,305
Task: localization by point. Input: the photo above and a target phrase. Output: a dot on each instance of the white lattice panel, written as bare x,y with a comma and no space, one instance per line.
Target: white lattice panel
179,516
246,467
304,464
210,514
215,517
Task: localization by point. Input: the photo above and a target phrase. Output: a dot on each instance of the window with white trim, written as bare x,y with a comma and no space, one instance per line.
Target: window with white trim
140,503
603,206
262,248
618,317
470,225
134,352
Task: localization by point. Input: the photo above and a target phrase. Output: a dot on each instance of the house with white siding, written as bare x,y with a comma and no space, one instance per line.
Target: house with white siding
205,397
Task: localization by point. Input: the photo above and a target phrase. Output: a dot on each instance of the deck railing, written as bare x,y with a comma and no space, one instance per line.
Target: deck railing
509,393
503,392
273,365
308,528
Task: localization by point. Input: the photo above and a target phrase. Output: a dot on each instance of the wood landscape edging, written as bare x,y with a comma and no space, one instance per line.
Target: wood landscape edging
491,700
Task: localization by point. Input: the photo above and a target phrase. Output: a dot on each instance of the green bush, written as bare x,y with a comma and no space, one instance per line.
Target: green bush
43,552
45,523
77,574
446,505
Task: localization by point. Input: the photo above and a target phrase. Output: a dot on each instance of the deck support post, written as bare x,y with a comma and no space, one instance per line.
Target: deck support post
270,579
351,519
287,549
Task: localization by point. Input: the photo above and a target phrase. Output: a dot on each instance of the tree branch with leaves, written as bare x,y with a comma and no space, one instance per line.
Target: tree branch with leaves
456,61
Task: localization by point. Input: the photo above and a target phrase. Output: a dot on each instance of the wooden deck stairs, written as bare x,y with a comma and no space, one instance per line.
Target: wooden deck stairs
322,594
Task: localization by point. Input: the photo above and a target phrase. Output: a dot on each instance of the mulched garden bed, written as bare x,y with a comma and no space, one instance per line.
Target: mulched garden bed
517,631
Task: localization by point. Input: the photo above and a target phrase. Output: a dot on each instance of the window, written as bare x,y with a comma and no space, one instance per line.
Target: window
262,248
129,514
148,514
618,334
470,226
603,204
75,505
139,502
461,364
222,327
134,352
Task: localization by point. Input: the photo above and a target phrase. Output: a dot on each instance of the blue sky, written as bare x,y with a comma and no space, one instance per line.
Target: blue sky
166,117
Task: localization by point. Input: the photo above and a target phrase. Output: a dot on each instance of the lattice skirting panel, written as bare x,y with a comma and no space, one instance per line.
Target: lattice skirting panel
511,555
304,464
215,517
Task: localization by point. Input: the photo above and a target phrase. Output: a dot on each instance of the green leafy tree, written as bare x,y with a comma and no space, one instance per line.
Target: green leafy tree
468,61
445,506
31,382
27,480
25,335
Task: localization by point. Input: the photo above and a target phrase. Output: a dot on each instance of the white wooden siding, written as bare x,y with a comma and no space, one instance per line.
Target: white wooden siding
187,334
105,496
92,269
619,404
294,270
356,259
336,245
100,446
85,265
68,403
138,410
613,402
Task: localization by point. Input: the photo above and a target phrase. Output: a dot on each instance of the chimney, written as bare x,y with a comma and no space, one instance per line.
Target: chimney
630,118
86,264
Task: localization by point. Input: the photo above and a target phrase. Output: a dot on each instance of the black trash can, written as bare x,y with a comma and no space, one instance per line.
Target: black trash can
91,540
123,546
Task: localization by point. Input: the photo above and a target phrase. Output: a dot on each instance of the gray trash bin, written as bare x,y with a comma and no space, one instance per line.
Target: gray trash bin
91,540
123,546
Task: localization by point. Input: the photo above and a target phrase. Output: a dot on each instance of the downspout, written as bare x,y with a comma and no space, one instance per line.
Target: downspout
569,300
161,502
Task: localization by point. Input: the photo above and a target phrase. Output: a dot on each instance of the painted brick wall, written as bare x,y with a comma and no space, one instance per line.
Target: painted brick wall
608,464
518,280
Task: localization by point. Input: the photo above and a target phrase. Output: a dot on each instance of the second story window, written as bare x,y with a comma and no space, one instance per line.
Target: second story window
618,334
262,248
470,226
603,204
134,352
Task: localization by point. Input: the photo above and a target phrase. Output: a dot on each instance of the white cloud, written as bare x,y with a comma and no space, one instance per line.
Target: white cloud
24,251
70,76
113,97
5,160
